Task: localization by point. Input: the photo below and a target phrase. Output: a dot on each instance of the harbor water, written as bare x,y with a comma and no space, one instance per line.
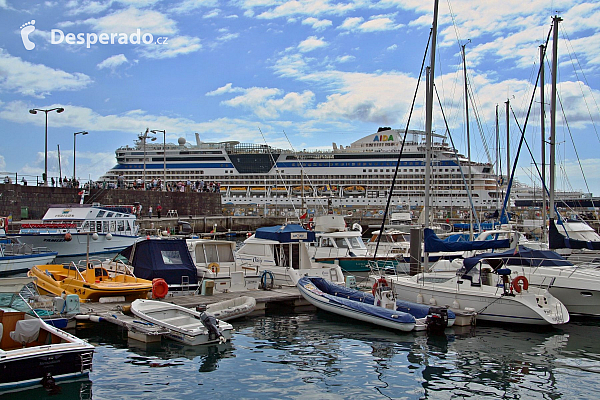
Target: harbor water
317,355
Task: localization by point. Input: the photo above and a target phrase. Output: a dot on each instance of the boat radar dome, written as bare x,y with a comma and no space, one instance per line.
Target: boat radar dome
181,141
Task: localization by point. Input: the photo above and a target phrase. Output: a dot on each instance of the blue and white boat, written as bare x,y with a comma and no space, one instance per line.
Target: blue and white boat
379,309
65,228
16,256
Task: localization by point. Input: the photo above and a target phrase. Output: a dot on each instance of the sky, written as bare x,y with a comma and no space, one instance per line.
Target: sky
292,74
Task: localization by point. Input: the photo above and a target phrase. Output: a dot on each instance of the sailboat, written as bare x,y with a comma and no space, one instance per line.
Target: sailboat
489,292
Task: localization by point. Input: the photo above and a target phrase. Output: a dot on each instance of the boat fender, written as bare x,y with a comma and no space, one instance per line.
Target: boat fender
1,222
381,282
520,283
159,288
68,237
214,267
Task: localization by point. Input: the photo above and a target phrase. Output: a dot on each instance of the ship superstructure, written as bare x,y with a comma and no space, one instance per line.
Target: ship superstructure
356,175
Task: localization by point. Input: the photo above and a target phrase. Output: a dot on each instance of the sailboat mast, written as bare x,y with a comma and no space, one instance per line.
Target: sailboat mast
498,170
470,181
543,129
555,20
429,121
507,112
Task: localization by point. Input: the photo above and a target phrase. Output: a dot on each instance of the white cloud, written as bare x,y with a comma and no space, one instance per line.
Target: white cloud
212,13
174,47
317,24
311,43
190,5
375,24
228,88
267,103
345,59
295,7
392,47
37,80
129,20
113,62
351,23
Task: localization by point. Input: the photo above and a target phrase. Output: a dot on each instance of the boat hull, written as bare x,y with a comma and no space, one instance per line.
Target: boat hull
22,263
78,244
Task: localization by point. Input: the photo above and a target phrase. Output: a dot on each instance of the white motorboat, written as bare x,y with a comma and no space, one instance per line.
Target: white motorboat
280,255
33,352
490,294
184,325
16,256
65,228
215,260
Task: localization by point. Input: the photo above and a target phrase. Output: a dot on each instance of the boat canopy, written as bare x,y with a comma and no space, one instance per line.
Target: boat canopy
521,256
285,233
161,258
559,241
434,244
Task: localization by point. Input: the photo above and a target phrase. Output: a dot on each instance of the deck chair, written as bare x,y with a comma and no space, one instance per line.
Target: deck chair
26,331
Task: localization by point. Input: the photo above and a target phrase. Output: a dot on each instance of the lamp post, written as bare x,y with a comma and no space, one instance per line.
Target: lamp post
143,138
34,111
164,132
74,136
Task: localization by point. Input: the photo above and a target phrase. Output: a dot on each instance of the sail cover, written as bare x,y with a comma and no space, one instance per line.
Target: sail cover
523,256
560,241
434,244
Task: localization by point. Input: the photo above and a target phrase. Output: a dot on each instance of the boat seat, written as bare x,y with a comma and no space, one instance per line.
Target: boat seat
196,324
26,331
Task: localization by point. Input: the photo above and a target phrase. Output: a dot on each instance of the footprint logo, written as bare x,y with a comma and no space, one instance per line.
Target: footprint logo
26,29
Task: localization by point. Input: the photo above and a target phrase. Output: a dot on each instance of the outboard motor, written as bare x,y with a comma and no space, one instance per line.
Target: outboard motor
184,227
210,322
437,320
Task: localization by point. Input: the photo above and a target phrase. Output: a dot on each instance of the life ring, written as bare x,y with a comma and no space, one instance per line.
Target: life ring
381,282
2,224
214,267
349,213
518,281
159,288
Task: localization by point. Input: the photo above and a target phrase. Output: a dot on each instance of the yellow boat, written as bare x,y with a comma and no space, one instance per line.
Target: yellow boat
89,283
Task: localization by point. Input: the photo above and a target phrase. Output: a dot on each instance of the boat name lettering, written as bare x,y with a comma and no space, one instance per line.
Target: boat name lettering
54,240
63,215
49,362
383,138
298,235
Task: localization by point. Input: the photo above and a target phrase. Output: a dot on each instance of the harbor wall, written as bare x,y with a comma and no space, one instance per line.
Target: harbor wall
31,202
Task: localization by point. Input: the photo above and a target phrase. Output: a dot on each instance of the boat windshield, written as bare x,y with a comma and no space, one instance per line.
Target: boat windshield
434,278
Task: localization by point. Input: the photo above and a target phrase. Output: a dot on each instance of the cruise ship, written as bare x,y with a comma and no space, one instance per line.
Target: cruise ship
359,174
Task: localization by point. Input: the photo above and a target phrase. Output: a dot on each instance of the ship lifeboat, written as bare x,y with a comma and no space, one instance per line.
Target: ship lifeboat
278,190
329,189
238,190
258,190
298,190
354,190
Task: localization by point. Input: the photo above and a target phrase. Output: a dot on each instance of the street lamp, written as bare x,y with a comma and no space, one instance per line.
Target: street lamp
164,132
74,136
143,138
34,111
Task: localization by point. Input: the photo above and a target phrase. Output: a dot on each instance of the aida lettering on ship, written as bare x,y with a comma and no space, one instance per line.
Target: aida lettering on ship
358,174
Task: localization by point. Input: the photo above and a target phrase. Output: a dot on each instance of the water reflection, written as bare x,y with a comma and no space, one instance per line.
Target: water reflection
67,390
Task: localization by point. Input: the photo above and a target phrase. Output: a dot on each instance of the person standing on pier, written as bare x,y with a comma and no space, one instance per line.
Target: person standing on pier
158,210
150,212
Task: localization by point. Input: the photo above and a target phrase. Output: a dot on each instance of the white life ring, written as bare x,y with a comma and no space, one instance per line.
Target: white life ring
349,213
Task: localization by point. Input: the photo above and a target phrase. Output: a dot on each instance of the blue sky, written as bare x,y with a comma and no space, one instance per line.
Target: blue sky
304,73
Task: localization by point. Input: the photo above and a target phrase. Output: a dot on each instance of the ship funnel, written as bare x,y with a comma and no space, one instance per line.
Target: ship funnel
197,138
334,146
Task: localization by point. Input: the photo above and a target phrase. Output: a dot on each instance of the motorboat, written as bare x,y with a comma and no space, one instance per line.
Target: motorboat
184,325
279,254
66,229
233,308
16,256
91,280
335,243
33,352
215,260
489,293
380,308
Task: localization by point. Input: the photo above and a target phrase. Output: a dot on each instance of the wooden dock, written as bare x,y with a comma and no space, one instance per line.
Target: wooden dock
287,298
